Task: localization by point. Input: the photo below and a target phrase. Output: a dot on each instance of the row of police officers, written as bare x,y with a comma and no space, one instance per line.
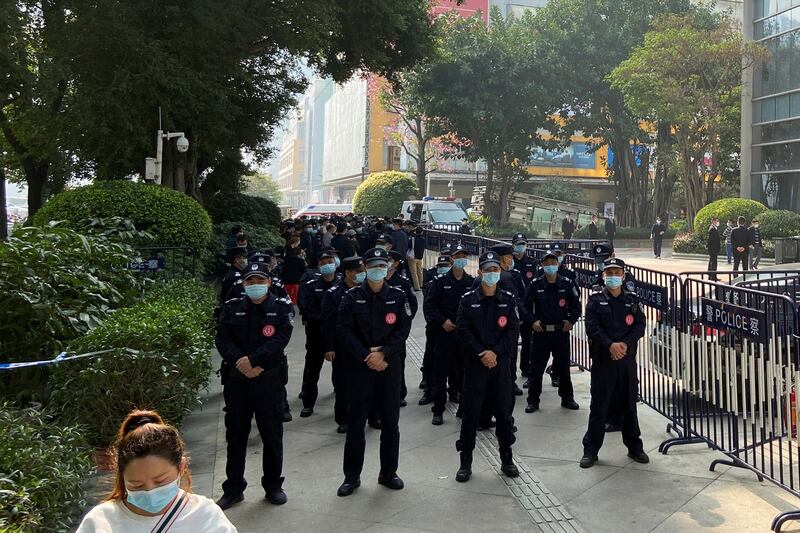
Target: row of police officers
357,313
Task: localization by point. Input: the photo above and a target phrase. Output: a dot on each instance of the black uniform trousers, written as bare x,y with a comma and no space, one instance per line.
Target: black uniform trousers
447,365
525,333
339,378
545,343
657,241
481,383
742,258
262,397
315,358
366,387
712,263
608,376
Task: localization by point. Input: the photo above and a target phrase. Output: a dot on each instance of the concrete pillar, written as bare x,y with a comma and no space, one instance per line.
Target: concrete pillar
745,184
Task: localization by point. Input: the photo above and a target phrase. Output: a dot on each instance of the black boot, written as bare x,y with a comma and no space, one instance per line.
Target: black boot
507,465
465,470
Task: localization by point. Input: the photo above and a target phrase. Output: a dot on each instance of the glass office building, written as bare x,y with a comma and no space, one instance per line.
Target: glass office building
771,107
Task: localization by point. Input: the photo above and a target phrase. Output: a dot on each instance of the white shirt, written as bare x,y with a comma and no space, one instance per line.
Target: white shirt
198,516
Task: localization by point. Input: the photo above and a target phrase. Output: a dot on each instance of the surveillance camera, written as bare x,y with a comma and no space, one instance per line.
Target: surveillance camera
182,144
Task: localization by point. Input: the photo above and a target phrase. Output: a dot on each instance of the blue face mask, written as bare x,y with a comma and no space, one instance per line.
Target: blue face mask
519,248
377,273
338,261
360,277
442,270
491,278
550,270
309,230
256,292
327,270
513,264
560,259
461,263
153,500
613,282
380,246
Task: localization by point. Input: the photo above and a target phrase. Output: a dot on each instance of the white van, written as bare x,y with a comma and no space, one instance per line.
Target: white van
437,213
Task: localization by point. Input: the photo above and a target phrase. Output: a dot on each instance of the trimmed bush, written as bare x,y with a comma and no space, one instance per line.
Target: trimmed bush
383,193
172,218
679,225
170,333
779,223
252,210
259,237
43,466
690,243
725,209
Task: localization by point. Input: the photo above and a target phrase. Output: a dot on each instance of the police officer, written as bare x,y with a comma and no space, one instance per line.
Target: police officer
354,274
487,327
237,256
563,271
441,310
527,267
443,265
252,335
510,281
373,323
310,305
615,322
553,303
275,287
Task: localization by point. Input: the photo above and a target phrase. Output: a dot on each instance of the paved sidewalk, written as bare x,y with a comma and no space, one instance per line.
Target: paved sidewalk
674,493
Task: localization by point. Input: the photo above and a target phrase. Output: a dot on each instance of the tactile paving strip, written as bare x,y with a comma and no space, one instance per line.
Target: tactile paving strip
546,511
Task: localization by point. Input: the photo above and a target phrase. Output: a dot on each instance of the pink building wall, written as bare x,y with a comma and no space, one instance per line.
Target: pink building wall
467,9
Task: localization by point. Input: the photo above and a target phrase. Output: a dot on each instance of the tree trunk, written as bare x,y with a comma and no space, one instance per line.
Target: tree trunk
488,197
36,178
505,185
422,163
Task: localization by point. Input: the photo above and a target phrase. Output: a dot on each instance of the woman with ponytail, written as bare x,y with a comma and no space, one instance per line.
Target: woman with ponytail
152,485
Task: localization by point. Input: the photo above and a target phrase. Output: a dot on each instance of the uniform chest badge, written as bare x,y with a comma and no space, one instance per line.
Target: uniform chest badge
529,274
390,318
562,302
629,320
268,330
502,321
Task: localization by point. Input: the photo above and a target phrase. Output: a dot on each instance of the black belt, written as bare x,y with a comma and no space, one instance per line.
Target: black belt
557,328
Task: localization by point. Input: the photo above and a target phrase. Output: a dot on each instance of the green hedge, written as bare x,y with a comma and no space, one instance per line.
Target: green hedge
171,330
55,285
727,208
779,223
172,218
383,193
258,236
43,466
252,210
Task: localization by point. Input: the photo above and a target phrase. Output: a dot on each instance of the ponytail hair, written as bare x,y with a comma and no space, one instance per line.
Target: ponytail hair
142,434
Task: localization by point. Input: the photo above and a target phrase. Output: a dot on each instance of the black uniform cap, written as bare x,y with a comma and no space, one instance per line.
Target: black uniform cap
489,258
259,257
375,255
613,262
236,251
459,248
603,249
257,269
556,247
443,260
352,263
327,254
501,249
520,238
395,255
381,239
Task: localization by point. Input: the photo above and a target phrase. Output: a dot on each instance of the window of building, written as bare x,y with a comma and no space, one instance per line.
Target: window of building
393,158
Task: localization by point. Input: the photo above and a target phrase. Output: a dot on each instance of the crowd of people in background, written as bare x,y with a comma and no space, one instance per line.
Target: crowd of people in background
743,244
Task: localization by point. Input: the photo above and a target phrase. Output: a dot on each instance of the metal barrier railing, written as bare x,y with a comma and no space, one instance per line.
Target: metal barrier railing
166,262
719,360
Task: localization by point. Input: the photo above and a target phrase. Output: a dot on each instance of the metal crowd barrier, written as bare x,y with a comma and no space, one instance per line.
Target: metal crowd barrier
166,262
719,359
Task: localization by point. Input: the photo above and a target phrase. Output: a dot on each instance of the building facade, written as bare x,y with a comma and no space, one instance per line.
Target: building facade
771,106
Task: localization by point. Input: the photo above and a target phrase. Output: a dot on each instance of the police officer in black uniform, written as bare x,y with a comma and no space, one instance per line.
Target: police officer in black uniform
510,281
554,306
443,265
310,304
354,274
527,267
441,310
252,335
373,323
615,322
487,326
237,256
563,271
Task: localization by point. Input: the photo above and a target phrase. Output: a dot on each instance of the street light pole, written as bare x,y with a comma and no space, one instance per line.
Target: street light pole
3,208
